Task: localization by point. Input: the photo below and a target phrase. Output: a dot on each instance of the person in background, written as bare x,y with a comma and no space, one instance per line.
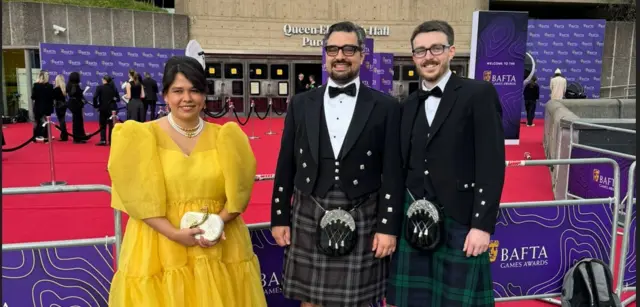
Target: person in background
150,96
76,106
531,95
134,94
312,82
60,104
558,85
105,100
42,96
301,84
162,265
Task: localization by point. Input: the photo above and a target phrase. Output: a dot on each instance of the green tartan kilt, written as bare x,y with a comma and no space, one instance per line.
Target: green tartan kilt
445,277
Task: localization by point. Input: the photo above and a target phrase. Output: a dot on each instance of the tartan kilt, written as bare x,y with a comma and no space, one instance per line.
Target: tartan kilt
353,280
445,277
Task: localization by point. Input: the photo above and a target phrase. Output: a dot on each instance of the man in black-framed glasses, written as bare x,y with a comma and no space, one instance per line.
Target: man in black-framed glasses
339,140
452,147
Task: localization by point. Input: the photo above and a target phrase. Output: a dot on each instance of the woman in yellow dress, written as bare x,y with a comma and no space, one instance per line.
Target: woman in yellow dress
159,171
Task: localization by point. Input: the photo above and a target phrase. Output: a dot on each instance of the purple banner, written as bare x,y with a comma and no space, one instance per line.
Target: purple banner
526,264
596,181
498,47
93,62
367,68
70,276
383,72
574,46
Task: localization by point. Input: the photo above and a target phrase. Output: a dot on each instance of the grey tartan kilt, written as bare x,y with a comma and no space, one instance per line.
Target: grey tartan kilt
354,280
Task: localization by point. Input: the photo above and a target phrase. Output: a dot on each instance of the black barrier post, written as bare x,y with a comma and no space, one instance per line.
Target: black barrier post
253,123
269,109
53,181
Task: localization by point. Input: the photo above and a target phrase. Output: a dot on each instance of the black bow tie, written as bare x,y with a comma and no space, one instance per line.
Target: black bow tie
423,95
348,90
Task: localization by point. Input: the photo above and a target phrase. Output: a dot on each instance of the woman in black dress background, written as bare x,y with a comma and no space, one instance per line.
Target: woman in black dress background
135,94
76,106
60,104
42,96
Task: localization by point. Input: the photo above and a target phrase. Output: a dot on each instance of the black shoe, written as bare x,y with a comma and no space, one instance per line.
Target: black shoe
101,143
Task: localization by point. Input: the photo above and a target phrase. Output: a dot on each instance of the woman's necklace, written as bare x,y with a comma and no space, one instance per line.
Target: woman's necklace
188,132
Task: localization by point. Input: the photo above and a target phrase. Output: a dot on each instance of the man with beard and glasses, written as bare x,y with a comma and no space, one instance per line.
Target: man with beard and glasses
452,144
340,162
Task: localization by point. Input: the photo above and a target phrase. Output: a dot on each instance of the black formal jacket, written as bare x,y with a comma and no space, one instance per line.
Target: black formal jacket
150,89
371,151
464,155
106,97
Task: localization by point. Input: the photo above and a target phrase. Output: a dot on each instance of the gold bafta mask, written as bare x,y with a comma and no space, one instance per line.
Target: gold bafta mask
493,250
596,174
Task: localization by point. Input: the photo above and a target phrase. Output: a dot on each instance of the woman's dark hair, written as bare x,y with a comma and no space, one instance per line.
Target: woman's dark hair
136,78
74,78
107,78
189,67
132,72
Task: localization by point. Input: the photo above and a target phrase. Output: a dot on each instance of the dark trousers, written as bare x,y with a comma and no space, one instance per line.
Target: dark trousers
530,107
38,130
150,104
77,123
135,110
105,121
61,113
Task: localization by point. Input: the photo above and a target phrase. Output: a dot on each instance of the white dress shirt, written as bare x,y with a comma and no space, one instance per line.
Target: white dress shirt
432,103
338,112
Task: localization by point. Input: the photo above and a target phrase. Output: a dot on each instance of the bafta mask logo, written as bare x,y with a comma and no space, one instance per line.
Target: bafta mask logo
596,175
486,75
493,250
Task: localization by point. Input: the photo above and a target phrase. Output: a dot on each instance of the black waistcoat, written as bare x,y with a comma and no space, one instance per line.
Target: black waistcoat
328,164
418,178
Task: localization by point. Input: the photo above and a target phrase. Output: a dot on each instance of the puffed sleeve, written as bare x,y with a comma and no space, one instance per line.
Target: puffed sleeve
137,179
238,166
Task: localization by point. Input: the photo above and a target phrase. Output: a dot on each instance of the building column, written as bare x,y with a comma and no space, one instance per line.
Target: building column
27,67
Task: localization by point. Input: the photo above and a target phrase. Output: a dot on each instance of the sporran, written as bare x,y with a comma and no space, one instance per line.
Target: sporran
337,232
424,227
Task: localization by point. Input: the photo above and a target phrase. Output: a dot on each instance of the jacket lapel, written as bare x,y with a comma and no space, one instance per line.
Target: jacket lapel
409,112
313,107
364,106
449,98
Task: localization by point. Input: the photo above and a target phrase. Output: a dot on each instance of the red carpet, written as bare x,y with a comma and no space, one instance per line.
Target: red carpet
89,215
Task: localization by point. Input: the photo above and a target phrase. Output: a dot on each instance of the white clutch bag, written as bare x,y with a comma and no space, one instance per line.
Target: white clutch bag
212,224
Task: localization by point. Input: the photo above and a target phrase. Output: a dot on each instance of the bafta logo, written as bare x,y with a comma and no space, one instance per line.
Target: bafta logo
486,75
493,250
596,175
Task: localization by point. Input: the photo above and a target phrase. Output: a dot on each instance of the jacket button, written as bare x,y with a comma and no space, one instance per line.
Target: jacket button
369,153
362,166
308,180
304,165
355,182
301,150
337,178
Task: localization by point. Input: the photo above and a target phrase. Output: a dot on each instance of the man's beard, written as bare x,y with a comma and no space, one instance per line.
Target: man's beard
344,77
444,66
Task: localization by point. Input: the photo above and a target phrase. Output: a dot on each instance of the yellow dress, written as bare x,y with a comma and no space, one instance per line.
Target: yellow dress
151,177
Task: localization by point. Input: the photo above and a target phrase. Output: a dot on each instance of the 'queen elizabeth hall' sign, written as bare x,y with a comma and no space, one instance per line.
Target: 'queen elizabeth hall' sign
321,30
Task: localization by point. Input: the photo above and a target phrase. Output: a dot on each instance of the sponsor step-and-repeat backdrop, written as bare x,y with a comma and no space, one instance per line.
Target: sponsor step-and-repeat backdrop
498,48
376,72
573,46
93,62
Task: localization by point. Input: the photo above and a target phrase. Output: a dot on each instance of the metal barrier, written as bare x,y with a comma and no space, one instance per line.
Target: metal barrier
569,202
117,221
631,202
595,149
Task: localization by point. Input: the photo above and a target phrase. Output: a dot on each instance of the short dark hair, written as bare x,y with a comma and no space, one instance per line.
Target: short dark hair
434,26
349,27
189,67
